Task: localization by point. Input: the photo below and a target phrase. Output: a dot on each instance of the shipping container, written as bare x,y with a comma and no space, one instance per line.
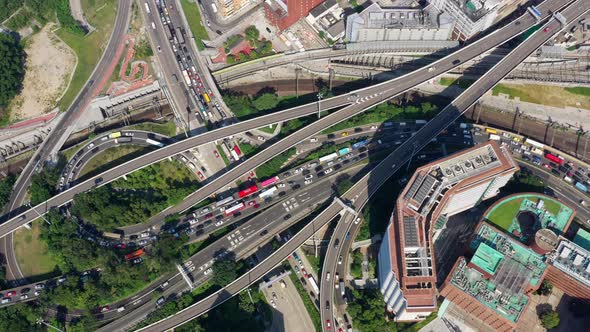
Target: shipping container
329,157
343,151
267,192
269,182
313,285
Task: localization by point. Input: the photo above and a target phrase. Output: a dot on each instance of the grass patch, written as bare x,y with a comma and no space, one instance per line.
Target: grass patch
552,206
312,310
503,214
167,128
386,112
546,94
32,254
248,149
269,130
274,166
120,154
193,16
579,90
223,155
462,83
89,48
315,262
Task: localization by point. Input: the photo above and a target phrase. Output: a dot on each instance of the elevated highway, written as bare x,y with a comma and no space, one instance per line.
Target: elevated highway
355,102
359,194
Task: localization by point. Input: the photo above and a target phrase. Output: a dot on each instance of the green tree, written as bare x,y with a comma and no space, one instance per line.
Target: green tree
12,71
550,319
252,33
224,272
230,59
367,311
545,288
265,47
6,189
266,101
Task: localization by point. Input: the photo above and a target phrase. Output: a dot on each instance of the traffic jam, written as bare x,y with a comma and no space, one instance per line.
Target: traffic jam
538,154
202,95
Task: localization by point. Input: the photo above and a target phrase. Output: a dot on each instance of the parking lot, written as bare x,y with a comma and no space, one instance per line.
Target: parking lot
289,313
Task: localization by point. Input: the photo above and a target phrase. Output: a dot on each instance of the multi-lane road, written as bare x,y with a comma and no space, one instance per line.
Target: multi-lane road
63,128
359,194
357,102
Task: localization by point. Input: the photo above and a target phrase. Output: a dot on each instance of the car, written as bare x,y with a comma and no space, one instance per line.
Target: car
164,284
273,303
159,48
208,271
104,309
281,185
256,206
5,300
287,217
200,175
189,263
296,268
374,127
160,301
309,177
192,268
137,260
431,69
264,232
208,215
329,170
61,280
90,146
216,153
25,290
11,293
328,277
268,30
456,62
340,259
98,181
261,138
252,203
357,220
304,273
190,231
328,324
193,221
583,202
39,286
308,181
327,305
219,223
546,29
24,297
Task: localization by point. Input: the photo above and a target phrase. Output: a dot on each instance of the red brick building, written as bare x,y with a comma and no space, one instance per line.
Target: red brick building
569,269
284,13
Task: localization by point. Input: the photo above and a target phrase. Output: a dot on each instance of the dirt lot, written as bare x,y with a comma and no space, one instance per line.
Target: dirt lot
49,65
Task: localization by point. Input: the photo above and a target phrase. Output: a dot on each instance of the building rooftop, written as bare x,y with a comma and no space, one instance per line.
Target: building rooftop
500,272
573,260
523,215
323,7
476,9
582,239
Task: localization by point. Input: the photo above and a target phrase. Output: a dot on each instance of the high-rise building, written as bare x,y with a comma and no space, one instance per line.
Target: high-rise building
229,7
436,191
284,13
569,269
398,21
472,16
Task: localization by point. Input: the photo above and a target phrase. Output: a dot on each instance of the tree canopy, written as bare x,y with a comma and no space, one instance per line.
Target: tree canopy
550,319
12,69
368,311
224,272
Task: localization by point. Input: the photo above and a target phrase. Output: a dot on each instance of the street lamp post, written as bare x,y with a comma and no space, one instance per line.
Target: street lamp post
319,99
42,217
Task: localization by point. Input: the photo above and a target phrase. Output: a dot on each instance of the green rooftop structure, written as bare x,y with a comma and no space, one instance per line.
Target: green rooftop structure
582,239
501,272
523,215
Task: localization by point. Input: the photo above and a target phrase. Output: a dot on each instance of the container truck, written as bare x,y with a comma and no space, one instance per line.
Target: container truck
187,78
329,157
267,192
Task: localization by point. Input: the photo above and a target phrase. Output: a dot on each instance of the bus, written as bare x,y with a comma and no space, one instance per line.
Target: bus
206,97
313,285
233,209
534,12
554,158
248,191
534,143
156,143
180,35
269,182
115,135
187,78
224,201
135,254
491,131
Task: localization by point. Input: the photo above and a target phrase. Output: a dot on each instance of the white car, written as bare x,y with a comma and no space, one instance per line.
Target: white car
189,263
192,268
329,170
208,271
261,138
309,177
308,181
193,221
